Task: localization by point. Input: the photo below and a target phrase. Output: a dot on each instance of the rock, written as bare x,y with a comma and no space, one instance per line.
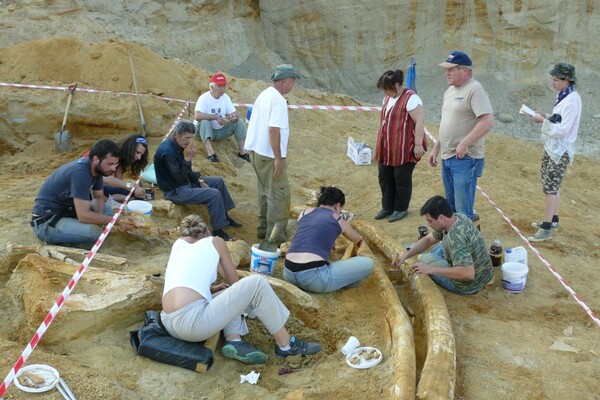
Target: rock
505,118
101,299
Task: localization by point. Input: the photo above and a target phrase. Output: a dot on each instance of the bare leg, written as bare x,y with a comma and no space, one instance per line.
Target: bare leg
233,336
282,337
241,144
208,146
551,202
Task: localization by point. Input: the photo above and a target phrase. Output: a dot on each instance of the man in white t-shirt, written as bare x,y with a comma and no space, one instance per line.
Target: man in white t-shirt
268,135
216,118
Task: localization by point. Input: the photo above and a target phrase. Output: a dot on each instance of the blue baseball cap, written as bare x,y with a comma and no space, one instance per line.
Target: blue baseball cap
456,58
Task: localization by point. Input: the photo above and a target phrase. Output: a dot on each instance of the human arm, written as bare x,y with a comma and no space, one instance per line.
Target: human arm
565,118
350,233
418,116
113,181
423,244
275,141
201,116
434,153
485,122
462,272
96,215
226,268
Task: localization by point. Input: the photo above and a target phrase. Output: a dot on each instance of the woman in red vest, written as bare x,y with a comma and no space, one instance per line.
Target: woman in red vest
400,145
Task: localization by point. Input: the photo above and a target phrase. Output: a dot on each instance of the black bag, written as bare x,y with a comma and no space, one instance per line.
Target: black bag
153,341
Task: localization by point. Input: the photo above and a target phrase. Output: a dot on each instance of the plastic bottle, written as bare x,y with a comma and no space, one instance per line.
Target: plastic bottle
496,253
516,254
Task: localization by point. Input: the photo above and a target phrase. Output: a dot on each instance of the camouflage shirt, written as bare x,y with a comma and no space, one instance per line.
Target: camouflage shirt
464,245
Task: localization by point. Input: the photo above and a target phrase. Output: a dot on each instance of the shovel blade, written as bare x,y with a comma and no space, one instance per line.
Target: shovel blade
62,141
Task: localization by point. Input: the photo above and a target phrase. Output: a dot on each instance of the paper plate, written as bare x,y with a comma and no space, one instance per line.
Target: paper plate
37,378
361,361
140,206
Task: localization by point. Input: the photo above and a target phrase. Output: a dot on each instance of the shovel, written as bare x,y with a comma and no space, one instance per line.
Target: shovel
137,96
270,244
62,139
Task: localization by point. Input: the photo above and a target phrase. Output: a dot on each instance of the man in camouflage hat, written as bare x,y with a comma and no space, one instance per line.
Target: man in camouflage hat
267,139
559,131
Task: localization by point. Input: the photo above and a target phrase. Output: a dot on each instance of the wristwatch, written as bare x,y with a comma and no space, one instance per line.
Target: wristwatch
128,185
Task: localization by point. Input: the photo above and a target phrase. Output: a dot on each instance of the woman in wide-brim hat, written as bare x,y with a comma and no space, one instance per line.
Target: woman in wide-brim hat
559,132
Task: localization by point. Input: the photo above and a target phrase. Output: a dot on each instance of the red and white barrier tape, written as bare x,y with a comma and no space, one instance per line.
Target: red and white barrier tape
69,288
565,284
245,105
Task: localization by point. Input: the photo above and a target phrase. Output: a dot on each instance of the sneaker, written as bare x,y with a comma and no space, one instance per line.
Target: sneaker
298,347
397,216
541,235
245,157
233,223
538,225
243,352
214,158
383,213
222,234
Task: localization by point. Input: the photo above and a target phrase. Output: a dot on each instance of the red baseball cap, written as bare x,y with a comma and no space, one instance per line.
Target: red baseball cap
219,79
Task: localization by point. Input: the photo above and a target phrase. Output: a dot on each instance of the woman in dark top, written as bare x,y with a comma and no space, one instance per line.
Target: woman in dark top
307,263
133,159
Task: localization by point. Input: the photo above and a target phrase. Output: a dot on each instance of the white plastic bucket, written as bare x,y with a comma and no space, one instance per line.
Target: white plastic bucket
516,254
140,206
514,276
262,261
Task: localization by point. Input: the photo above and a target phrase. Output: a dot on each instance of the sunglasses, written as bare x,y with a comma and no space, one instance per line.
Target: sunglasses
141,140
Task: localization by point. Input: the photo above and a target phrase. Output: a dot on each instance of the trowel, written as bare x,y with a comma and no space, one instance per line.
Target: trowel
270,244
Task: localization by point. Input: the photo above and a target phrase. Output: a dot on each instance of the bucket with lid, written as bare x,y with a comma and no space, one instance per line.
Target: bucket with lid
262,261
140,206
514,276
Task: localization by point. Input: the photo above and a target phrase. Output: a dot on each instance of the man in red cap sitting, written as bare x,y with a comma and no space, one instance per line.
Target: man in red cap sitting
216,118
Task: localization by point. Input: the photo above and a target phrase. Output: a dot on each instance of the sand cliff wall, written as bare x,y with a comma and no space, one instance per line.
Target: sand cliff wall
339,46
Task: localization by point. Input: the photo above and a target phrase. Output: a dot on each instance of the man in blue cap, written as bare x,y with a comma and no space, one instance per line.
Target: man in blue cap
467,116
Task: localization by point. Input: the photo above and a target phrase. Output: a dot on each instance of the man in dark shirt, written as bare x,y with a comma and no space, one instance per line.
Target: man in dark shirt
63,212
181,185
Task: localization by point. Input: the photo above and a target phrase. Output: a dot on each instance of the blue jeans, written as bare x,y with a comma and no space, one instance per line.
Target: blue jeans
436,259
460,182
216,198
328,278
70,231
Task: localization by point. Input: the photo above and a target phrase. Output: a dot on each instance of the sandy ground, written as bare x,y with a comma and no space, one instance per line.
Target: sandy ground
504,341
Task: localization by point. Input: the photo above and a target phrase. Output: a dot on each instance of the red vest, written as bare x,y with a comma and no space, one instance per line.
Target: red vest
396,136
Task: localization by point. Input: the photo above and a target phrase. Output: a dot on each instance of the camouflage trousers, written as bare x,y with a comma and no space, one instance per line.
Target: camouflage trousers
553,173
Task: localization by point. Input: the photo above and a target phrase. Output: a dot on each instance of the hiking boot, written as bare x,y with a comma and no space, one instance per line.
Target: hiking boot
245,157
538,225
221,233
298,346
541,235
383,213
243,352
397,216
214,158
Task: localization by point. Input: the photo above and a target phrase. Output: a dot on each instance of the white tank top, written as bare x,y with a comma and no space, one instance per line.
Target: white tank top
192,265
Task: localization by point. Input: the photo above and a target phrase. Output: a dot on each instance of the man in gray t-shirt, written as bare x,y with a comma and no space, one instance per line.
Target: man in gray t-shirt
70,206
467,116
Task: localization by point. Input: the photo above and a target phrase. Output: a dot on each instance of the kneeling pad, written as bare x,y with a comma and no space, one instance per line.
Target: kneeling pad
153,341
